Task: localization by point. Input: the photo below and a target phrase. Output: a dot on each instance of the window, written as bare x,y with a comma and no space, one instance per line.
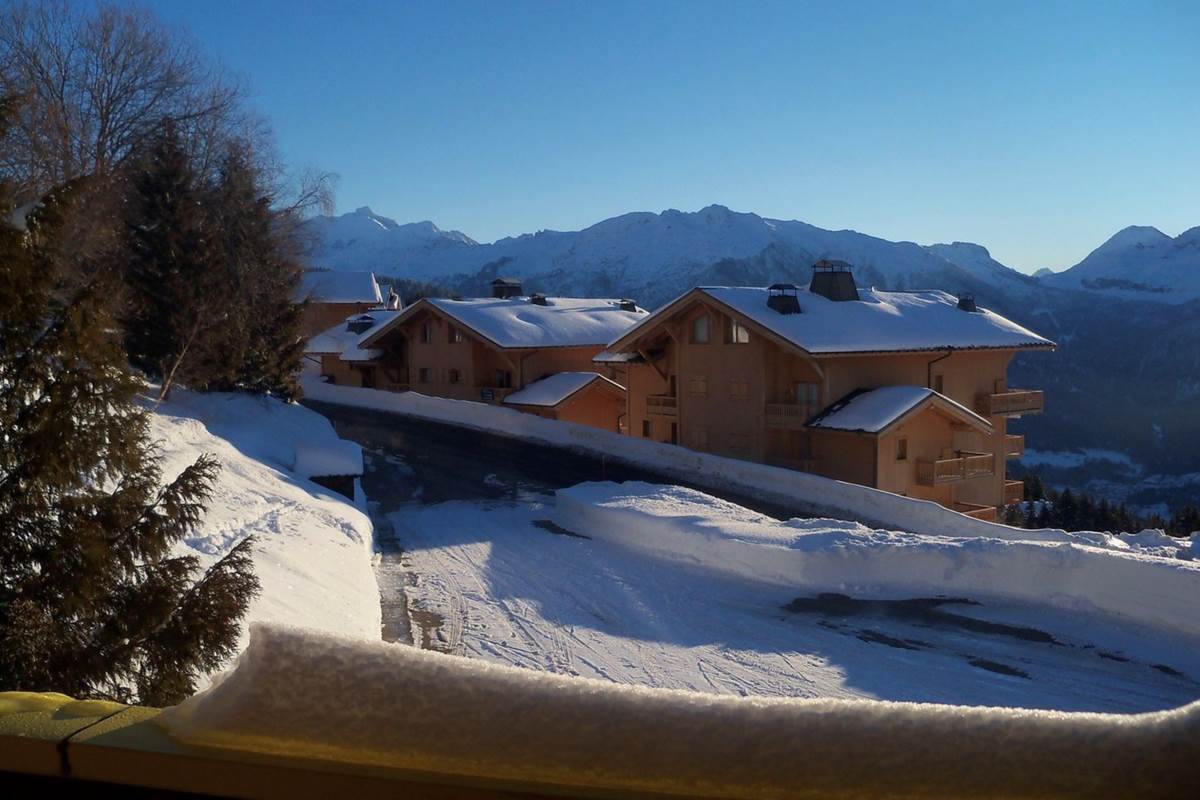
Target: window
698,386
456,335
807,394
503,379
426,332
454,376
700,333
645,429
738,333
739,390
938,384
739,442
902,449
423,375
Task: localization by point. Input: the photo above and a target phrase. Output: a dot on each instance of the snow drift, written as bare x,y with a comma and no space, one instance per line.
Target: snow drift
821,555
307,695
313,551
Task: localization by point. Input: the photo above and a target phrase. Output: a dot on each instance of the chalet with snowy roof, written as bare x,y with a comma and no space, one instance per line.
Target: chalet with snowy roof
333,296
903,391
336,350
487,349
587,398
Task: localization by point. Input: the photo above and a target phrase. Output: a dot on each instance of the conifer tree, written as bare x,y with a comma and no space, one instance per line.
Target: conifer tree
265,273
92,601
178,322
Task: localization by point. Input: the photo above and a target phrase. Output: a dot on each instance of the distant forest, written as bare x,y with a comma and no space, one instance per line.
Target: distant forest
1079,511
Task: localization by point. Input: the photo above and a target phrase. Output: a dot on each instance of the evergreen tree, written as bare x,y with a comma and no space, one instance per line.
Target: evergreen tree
1185,521
178,322
92,603
1033,487
266,346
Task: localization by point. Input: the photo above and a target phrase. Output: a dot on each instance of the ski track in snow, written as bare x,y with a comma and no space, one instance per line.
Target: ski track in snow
514,593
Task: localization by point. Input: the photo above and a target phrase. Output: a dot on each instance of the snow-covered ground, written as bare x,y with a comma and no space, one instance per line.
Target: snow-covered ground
505,582
314,549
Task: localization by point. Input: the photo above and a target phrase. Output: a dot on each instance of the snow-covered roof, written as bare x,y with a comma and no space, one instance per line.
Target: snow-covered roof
554,389
328,458
878,322
340,287
609,357
874,410
341,341
515,322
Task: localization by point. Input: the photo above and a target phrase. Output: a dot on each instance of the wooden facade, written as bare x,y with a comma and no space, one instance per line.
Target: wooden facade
711,379
433,353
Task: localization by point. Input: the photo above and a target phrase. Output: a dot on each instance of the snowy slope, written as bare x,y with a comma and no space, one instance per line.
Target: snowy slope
1139,263
314,547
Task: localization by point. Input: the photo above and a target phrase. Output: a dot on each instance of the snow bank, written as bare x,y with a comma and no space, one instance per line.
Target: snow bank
816,555
813,494
307,695
314,549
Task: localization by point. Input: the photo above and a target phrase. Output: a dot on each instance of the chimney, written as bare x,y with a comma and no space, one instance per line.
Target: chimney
393,299
833,280
626,304
966,302
360,325
783,298
539,299
506,287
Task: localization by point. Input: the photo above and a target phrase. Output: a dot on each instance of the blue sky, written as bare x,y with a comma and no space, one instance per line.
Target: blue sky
1037,129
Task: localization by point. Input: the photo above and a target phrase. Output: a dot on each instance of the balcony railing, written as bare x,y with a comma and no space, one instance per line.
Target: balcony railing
951,470
1014,445
495,394
1011,403
1014,492
986,513
661,405
787,415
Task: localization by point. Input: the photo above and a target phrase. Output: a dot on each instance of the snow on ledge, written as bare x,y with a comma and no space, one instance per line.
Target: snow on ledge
305,695
819,496
817,555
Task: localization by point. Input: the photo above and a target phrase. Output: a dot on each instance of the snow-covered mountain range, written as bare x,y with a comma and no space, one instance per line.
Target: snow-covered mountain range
1139,263
1127,318
650,255
647,255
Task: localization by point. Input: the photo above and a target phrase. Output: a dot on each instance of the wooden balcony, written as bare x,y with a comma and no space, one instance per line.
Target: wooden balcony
951,470
1014,445
1011,403
986,513
1014,492
661,405
787,415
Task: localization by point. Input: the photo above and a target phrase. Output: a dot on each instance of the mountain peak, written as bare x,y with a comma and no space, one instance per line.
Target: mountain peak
1135,236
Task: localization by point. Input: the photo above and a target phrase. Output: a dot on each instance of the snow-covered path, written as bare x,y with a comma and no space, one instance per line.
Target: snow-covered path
508,589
